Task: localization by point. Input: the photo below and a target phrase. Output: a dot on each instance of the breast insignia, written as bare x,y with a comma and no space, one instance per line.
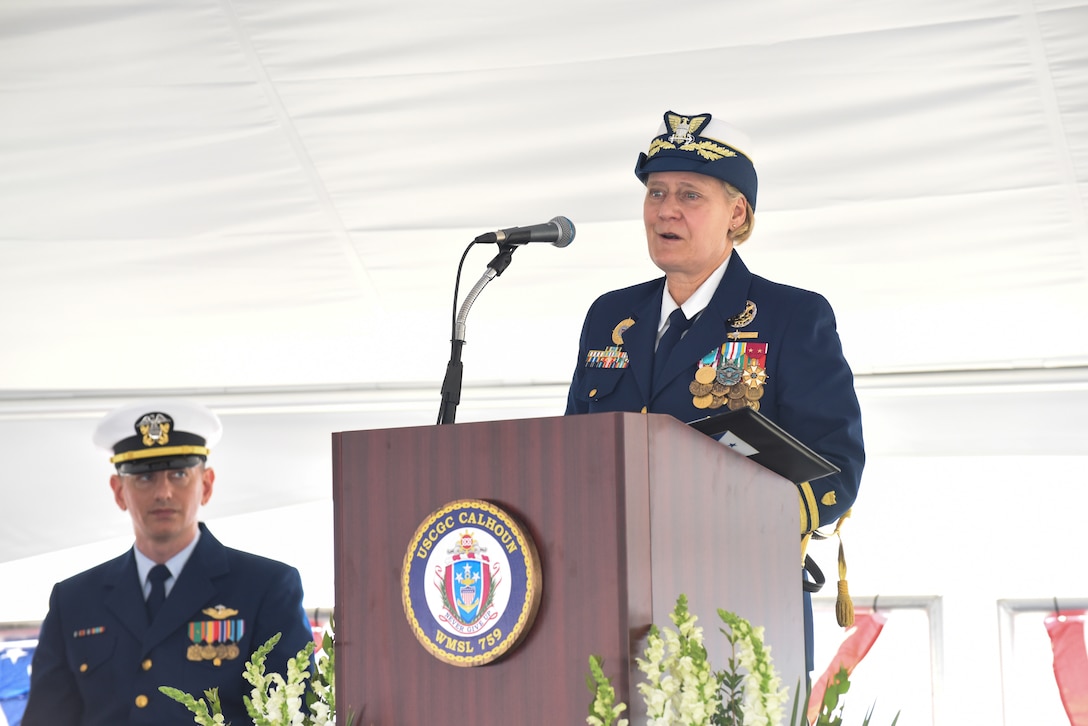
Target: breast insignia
220,612
620,329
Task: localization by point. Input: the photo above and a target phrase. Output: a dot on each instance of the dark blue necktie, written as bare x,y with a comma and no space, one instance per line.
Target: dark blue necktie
678,325
158,576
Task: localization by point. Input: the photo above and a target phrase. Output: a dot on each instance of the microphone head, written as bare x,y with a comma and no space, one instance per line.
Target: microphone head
566,231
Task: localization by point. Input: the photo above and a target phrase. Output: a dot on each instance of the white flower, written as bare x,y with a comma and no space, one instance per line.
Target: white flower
275,700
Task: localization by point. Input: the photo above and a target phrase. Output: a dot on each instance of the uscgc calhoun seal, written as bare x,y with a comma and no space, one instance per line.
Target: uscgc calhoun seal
470,583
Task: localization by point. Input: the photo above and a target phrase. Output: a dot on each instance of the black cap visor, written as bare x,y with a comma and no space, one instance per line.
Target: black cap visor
143,466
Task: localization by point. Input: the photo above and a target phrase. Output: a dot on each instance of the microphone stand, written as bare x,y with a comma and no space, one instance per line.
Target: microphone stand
451,385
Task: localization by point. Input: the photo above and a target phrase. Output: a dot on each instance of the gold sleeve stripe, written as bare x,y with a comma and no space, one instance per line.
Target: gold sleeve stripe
809,507
157,453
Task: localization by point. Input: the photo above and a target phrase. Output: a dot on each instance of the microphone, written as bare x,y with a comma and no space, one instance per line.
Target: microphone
558,231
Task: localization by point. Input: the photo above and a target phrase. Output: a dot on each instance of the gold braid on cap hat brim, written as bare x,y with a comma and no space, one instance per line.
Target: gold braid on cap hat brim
160,453
708,149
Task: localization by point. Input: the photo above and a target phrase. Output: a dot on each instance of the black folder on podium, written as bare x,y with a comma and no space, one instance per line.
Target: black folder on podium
752,434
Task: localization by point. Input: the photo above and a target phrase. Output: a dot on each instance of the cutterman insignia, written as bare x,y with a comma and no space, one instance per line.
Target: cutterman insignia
620,329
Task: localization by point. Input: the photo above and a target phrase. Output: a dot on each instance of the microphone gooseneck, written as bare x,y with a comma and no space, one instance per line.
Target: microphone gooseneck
558,231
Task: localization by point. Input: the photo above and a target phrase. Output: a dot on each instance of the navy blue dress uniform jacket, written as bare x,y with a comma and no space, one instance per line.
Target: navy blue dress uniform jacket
809,389
100,663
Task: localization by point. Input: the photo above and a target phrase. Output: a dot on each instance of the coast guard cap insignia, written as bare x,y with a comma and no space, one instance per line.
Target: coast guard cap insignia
470,583
155,428
683,129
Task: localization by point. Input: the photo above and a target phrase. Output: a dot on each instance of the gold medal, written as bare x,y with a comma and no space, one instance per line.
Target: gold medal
719,389
754,405
702,401
232,652
754,375
753,393
736,391
193,653
735,403
705,374
207,652
699,389
717,401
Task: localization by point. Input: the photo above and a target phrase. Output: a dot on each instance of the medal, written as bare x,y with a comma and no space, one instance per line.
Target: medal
705,374
699,389
734,373
215,640
728,374
754,375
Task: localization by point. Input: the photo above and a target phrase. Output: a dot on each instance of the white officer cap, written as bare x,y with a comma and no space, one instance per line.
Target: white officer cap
158,434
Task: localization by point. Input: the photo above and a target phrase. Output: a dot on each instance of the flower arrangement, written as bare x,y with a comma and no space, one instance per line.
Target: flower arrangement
275,700
682,689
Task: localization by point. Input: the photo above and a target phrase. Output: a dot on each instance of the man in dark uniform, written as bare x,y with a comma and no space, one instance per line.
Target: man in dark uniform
711,335
178,609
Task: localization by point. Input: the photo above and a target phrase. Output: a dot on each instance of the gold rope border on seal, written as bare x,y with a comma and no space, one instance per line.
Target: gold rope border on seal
533,584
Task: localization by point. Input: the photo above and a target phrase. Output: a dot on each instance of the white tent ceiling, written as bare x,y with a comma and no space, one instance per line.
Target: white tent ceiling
263,203
287,187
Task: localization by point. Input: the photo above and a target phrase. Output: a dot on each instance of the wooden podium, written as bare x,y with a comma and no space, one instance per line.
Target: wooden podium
627,512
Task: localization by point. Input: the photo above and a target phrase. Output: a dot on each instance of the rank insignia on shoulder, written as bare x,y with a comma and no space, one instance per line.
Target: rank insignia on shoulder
611,357
620,329
220,612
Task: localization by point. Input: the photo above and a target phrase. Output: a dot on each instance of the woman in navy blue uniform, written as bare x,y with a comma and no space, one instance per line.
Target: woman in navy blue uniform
178,609
743,340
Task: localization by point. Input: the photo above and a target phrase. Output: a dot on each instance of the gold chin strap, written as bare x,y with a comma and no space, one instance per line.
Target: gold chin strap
844,606
160,453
